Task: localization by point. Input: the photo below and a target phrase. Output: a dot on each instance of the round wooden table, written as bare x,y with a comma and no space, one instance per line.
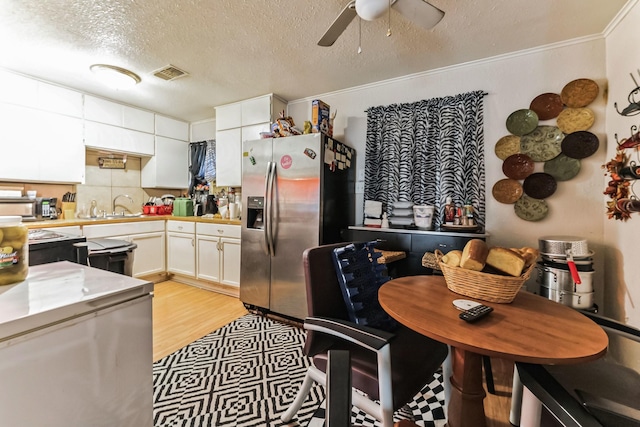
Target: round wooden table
530,329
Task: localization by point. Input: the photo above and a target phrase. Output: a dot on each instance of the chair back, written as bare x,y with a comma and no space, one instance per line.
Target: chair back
324,296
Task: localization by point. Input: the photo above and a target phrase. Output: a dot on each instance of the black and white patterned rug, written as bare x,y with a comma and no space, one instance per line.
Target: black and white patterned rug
247,374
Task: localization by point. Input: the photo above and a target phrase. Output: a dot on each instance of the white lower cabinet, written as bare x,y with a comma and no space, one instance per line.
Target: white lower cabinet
149,255
181,248
218,253
149,236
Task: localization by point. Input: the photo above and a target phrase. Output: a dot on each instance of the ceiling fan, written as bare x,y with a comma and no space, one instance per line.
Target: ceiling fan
418,11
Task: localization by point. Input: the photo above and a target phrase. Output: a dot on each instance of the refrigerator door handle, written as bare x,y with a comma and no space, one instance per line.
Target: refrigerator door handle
268,190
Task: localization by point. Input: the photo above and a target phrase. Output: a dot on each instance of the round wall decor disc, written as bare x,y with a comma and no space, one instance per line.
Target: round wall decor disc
507,145
562,168
521,122
539,185
531,209
507,191
542,144
547,106
579,93
517,166
579,145
575,119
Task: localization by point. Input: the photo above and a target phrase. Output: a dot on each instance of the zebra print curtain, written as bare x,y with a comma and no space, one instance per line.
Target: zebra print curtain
425,151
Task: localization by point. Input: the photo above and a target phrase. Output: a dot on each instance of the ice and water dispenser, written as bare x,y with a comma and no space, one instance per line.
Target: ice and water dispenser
255,212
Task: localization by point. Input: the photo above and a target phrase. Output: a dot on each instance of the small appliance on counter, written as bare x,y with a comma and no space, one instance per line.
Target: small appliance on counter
46,208
19,206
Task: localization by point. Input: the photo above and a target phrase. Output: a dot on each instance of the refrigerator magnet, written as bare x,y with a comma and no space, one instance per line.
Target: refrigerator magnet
310,153
286,161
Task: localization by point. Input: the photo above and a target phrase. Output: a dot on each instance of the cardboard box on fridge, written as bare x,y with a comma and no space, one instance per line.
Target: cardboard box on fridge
320,117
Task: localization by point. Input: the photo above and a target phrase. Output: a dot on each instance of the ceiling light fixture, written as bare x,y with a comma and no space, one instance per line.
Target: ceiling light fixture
370,10
115,77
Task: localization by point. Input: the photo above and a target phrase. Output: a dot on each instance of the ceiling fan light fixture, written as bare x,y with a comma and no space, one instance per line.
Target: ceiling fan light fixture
371,10
115,77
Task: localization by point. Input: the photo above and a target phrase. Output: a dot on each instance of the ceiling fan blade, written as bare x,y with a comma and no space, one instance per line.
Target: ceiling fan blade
419,12
339,25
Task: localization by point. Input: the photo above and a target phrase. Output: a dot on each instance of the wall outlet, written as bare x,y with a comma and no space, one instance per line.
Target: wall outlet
359,187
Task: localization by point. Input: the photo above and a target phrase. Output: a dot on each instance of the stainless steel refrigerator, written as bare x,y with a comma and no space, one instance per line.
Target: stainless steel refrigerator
298,192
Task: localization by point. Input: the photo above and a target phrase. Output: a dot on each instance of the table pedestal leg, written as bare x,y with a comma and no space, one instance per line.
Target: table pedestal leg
466,408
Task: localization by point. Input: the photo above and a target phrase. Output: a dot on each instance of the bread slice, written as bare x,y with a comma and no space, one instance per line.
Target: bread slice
474,255
506,261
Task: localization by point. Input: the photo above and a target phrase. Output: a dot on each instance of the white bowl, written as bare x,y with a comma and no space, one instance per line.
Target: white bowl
402,205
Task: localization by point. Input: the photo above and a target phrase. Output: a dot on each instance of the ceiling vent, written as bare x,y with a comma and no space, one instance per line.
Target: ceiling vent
170,72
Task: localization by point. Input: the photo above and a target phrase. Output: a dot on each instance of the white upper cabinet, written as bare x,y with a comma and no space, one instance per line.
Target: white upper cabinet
20,90
256,110
172,128
229,116
237,122
118,139
41,146
169,167
111,113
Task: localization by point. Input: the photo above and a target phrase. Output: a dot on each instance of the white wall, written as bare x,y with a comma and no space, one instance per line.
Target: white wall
512,81
623,252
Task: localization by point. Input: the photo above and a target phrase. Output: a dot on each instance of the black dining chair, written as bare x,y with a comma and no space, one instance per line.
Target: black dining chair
604,392
390,368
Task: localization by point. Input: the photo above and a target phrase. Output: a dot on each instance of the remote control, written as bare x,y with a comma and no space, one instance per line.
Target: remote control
475,313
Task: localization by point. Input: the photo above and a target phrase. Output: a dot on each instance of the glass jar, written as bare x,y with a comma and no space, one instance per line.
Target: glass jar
14,250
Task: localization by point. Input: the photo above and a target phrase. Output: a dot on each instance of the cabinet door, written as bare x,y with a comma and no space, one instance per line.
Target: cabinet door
172,128
181,254
256,110
230,262
40,146
61,151
17,159
169,168
229,158
229,116
208,265
250,133
149,256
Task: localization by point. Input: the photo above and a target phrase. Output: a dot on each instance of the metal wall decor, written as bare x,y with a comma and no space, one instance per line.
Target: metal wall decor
634,106
560,146
624,174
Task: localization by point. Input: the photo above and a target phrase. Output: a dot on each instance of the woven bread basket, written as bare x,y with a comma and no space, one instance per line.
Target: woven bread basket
483,286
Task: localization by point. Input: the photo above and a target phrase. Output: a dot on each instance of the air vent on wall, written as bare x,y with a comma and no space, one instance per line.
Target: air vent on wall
169,72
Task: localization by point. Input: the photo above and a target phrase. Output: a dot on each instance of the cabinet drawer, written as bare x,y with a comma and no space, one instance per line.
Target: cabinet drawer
222,230
181,226
429,243
121,229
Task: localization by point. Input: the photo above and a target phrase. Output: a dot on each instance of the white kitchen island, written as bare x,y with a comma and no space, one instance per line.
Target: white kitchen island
76,349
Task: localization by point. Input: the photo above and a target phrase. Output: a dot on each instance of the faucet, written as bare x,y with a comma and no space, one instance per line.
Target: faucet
116,198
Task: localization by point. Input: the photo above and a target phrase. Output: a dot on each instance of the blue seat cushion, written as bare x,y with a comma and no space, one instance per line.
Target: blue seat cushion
360,276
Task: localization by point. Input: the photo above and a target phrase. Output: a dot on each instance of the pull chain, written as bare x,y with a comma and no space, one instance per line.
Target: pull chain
389,20
359,35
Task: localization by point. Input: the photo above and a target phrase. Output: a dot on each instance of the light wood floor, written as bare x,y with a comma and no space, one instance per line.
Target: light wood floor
183,313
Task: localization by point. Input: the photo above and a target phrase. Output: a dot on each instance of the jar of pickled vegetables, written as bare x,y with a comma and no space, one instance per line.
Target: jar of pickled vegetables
14,250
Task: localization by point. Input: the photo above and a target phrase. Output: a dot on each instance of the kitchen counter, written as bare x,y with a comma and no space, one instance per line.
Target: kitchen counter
87,333
60,290
93,221
478,234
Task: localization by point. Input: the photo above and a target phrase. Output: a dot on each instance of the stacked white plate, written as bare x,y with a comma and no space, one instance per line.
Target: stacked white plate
401,214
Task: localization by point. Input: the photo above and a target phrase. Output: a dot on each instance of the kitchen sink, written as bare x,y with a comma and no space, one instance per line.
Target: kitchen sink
116,216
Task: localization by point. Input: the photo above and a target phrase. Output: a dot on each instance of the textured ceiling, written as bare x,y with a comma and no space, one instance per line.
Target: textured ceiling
238,49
